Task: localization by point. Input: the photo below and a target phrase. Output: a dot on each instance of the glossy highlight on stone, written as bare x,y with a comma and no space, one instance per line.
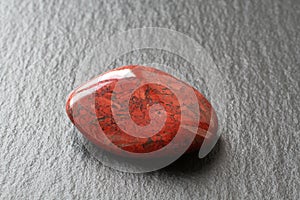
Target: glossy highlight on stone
117,110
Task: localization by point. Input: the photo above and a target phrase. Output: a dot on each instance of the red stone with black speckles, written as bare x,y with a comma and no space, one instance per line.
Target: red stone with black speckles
94,108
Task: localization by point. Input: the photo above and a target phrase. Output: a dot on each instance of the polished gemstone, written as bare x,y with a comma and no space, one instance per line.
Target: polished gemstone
139,110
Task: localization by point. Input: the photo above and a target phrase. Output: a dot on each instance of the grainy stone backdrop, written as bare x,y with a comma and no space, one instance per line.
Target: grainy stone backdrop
254,43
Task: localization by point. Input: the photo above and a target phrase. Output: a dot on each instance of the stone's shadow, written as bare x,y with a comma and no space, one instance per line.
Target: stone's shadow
189,163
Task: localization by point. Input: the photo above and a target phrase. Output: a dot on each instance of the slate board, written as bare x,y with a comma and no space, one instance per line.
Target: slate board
254,43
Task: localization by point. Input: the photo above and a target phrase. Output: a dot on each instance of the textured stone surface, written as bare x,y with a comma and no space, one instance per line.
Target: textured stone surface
254,43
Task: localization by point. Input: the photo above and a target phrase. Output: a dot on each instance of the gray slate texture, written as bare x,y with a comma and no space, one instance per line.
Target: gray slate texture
256,45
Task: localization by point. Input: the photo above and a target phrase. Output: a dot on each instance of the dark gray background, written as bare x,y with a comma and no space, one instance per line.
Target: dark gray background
256,46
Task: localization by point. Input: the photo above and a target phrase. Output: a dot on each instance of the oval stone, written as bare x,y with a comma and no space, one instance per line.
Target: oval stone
120,110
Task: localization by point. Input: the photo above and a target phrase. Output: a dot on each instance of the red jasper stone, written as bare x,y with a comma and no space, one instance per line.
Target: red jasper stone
118,110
